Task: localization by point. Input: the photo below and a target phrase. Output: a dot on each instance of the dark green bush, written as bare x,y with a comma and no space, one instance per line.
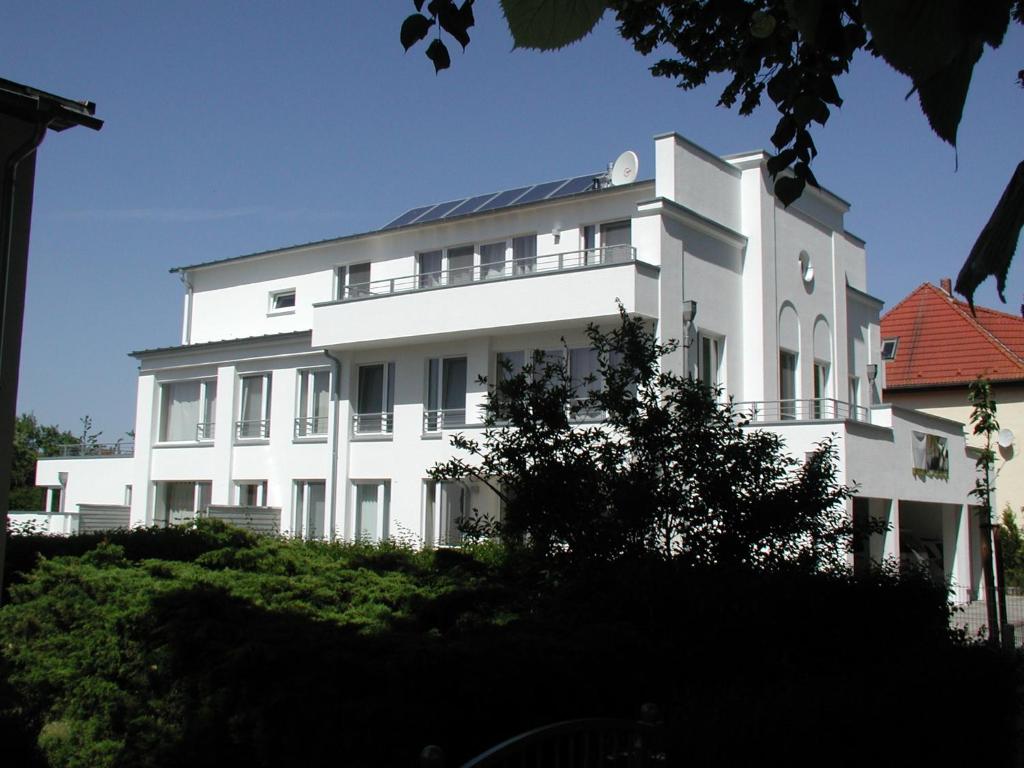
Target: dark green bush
264,652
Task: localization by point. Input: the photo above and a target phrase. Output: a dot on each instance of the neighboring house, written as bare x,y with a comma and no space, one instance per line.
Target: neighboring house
315,385
934,347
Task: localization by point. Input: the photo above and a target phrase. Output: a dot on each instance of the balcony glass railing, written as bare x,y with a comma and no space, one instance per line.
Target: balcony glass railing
820,409
118,449
500,270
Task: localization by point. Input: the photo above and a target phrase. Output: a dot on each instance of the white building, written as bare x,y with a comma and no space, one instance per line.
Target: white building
315,385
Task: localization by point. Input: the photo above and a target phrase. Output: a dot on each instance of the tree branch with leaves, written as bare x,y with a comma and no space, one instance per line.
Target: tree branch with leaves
793,52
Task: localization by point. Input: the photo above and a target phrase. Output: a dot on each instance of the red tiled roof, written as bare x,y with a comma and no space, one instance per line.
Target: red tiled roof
941,343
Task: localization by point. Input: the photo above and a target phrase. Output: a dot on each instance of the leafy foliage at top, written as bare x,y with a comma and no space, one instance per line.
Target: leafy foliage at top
669,471
794,51
32,440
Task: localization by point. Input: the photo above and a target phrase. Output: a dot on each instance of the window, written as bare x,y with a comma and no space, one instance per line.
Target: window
889,348
358,284
607,243
429,267
375,403
251,493
282,301
585,377
787,384
711,355
460,265
372,509
127,495
445,505
180,502
854,394
53,499
446,393
821,405
524,254
309,509
187,410
492,260
314,399
254,414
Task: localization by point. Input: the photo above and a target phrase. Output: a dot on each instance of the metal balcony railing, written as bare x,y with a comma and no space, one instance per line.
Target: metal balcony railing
435,421
373,423
204,431
514,268
107,450
820,409
252,429
310,426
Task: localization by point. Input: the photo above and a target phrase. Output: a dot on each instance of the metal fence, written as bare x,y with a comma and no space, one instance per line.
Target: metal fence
973,618
117,449
819,409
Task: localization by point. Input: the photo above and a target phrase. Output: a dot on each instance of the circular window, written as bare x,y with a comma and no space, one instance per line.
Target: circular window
806,268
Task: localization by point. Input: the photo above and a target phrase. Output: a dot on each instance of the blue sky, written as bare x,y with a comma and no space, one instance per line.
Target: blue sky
234,127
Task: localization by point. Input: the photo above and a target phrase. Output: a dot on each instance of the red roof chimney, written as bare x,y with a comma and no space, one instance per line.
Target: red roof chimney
947,285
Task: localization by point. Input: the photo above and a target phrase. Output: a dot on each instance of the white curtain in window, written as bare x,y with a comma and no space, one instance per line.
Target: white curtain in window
181,411
367,512
315,510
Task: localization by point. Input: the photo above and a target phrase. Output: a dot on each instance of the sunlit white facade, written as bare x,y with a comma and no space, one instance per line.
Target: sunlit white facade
315,385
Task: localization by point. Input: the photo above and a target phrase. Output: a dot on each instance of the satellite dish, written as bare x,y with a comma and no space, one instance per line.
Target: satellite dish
625,167
1005,438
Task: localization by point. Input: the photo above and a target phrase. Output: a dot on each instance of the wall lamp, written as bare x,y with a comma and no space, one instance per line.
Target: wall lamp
872,372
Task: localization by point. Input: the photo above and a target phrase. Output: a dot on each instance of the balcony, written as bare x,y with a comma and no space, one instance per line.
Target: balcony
252,429
310,426
510,296
821,409
451,418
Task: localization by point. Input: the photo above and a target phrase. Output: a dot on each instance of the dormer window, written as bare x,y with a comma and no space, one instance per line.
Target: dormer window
889,348
282,301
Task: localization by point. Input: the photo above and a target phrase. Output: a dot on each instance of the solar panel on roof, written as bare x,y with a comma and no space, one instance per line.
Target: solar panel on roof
471,205
576,185
441,210
502,199
541,191
408,217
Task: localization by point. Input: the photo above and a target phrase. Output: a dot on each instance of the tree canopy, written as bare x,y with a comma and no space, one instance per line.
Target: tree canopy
793,52
32,440
634,461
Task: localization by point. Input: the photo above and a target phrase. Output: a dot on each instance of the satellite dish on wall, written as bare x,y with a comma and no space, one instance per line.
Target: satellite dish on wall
1005,438
624,168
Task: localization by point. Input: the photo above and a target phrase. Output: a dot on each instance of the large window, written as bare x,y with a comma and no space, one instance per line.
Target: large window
375,403
446,505
428,266
180,501
711,349
309,509
460,265
314,399
251,493
254,412
524,254
492,260
446,393
787,384
372,510
821,406
607,243
187,410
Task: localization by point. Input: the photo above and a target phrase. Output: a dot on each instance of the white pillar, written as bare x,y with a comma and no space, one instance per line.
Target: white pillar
956,551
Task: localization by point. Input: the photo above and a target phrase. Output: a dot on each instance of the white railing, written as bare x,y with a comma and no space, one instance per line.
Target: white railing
310,426
435,421
204,431
373,423
820,409
252,429
514,268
